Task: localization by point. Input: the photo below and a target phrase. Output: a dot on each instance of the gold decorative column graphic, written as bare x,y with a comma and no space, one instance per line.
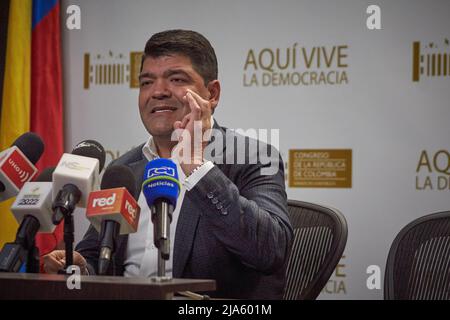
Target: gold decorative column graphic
111,69
416,60
434,62
135,68
87,71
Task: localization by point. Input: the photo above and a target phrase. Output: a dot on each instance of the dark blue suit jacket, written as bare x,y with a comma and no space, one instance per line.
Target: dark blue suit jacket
233,225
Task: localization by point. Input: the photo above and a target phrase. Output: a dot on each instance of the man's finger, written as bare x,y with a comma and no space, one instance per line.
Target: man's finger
58,254
197,97
51,264
204,104
185,121
196,110
79,260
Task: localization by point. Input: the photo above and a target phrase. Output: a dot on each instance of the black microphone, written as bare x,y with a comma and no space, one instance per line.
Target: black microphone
75,176
34,202
91,149
31,145
113,210
17,164
32,210
46,175
65,202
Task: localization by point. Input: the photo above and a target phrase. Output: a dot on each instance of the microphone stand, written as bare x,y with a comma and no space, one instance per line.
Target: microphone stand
26,238
23,249
68,234
161,218
109,233
33,259
68,238
63,207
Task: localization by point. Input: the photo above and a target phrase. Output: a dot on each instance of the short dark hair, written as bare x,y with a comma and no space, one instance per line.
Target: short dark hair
188,43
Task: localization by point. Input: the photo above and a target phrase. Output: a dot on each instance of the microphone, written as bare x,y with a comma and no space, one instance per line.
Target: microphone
34,201
17,164
32,210
161,189
76,175
113,211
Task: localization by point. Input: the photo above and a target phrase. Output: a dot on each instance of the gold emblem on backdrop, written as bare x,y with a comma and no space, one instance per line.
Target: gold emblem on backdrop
112,69
320,168
431,60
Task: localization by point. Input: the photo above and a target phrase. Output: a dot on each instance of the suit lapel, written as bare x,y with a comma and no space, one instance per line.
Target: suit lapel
186,226
189,218
189,212
138,168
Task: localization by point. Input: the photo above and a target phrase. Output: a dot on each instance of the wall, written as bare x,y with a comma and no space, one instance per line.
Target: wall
373,125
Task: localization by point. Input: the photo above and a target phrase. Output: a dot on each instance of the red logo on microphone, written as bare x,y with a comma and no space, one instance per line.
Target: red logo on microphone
18,168
117,204
132,210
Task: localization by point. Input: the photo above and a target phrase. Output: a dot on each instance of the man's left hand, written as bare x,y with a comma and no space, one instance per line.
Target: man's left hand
190,132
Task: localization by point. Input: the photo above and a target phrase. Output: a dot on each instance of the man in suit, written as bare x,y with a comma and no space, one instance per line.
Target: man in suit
230,223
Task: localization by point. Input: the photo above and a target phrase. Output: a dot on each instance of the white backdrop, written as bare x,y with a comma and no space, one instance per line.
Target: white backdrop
378,111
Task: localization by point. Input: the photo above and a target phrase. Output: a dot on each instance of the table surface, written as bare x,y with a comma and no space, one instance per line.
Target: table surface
54,286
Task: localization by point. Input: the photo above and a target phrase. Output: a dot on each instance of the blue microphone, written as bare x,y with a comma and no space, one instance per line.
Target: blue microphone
161,181
161,189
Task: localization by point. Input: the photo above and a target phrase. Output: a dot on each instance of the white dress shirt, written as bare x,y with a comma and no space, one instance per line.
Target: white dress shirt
142,255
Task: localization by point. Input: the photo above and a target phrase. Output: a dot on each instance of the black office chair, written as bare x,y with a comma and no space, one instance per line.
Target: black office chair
320,236
418,265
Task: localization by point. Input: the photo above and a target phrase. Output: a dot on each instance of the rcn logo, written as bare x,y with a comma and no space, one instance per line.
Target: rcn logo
23,175
161,171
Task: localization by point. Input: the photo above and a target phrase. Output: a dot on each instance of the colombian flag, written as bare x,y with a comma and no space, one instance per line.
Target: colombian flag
31,91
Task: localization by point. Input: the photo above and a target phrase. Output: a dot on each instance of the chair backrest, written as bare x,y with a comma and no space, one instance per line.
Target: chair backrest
320,236
418,264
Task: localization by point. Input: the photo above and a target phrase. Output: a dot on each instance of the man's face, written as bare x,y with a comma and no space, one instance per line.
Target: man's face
163,84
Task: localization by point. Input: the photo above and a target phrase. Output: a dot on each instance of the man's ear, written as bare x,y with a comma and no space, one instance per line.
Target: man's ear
214,93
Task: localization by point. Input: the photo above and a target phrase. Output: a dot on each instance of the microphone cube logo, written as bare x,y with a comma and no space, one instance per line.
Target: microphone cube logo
23,175
18,168
72,165
131,210
116,204
161,171
101,202
104,201
30,198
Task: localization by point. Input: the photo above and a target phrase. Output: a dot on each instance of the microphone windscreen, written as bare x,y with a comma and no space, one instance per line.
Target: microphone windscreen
46,175
91,149
31,145
161,181
119,176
